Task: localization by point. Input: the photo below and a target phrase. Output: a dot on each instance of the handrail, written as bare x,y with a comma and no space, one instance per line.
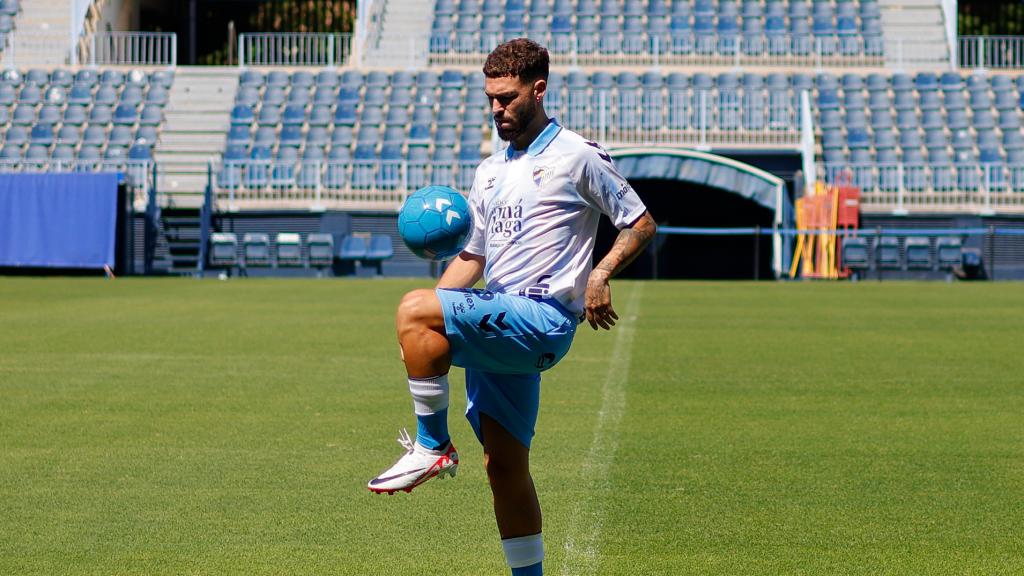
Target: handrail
294,49
1004,52
134,49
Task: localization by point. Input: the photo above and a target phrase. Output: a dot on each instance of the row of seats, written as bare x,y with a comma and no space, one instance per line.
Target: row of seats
793,8
949,119
256,249
87,118
911,173
918,253
419,168
632,28
428,116
337,118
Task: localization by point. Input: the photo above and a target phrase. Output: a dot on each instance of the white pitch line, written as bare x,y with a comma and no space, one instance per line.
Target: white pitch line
582,541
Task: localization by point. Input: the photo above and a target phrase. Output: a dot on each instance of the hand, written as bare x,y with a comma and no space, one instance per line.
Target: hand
598,301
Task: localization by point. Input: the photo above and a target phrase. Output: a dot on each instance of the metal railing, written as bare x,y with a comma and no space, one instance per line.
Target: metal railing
133,49
991,52
294,49
138,174
685,117
591,50
370,184
984,188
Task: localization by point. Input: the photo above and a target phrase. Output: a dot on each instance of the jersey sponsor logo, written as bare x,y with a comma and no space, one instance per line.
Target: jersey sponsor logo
505,220
490,182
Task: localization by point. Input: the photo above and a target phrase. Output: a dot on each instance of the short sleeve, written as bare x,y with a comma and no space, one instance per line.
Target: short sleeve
477,241
602,186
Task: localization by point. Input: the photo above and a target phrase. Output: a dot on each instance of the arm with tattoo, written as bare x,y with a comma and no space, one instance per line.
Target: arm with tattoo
628,245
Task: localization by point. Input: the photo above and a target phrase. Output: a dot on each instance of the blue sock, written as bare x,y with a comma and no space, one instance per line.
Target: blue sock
432,429
531,570
430,403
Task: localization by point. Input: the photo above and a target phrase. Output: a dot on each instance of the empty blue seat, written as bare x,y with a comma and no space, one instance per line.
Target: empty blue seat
238,134
125,114
319,115
368,135
704,34
352,248
345,114
277,79
41,135
131,95
294,115
273,96
884,139
918,253
887,253
247,96
119,136
948,252
253,78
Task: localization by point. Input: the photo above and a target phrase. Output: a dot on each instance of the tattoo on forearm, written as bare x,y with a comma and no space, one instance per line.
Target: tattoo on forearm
628,245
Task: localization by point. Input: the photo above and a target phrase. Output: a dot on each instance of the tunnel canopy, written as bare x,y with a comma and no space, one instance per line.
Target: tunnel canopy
700,168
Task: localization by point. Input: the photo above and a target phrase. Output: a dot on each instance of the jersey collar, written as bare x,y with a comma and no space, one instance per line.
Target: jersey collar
540,143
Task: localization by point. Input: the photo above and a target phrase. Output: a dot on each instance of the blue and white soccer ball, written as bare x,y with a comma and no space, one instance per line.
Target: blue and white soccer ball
435,222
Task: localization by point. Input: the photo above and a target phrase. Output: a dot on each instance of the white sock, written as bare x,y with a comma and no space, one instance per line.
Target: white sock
523,551
429,395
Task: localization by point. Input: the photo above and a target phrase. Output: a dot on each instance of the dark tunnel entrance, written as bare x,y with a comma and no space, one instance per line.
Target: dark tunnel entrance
679,203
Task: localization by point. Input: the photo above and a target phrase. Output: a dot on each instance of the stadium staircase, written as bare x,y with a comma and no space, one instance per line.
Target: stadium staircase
196,122
915,32
404,35
41,37
181,235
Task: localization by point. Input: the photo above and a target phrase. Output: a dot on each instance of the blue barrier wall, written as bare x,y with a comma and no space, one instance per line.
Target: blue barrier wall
58,220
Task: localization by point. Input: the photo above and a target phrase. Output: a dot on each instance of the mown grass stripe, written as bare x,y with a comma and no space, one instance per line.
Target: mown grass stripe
582,541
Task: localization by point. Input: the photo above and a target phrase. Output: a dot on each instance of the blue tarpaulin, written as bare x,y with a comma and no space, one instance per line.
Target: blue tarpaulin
66,220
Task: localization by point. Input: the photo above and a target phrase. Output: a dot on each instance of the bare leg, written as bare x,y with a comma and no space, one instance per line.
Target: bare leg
421,334
516,507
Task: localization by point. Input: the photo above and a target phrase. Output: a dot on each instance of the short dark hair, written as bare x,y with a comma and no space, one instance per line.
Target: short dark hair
522,58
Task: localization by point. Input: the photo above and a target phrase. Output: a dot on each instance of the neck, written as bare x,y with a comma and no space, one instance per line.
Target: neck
540,121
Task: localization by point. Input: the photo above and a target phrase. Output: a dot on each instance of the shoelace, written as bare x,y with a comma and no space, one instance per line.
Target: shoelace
408,443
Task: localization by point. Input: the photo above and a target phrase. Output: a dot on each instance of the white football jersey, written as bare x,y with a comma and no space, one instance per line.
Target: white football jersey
535,215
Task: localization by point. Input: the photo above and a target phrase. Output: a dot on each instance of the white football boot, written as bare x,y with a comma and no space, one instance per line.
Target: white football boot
415,467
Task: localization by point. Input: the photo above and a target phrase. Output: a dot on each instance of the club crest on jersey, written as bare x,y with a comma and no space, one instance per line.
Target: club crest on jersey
541,175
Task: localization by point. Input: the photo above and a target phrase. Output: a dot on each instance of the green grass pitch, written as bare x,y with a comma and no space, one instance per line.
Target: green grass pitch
174,426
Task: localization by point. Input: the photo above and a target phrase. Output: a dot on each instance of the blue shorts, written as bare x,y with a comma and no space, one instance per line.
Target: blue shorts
504,342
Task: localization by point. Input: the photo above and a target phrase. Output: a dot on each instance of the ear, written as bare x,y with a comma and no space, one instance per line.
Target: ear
540,87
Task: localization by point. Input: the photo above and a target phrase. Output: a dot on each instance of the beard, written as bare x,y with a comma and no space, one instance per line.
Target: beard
517,125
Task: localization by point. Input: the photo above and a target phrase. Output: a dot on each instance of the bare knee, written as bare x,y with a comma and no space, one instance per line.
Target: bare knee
418,310
506,472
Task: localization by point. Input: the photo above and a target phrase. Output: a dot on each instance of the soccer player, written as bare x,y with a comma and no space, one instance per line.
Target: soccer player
536,207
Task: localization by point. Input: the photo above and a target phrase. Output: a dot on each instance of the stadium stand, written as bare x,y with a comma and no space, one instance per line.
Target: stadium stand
844,32
384,131
87,120
725,76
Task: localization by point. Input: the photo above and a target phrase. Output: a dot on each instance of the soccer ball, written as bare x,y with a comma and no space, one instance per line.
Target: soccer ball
435,222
